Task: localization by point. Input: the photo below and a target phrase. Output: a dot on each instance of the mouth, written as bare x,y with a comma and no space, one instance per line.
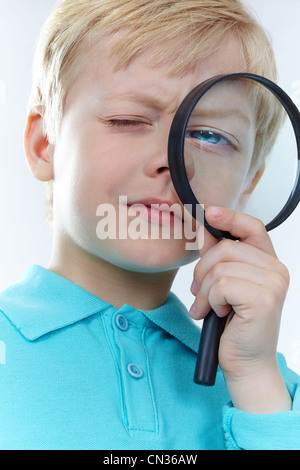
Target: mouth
158,211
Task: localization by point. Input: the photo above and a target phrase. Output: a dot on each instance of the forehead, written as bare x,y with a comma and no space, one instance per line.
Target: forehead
95,71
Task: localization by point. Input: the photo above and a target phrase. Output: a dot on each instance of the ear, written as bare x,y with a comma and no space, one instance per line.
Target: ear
38,150
252,185
256,179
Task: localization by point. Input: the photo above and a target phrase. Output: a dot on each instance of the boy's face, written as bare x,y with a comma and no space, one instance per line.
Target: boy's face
113,143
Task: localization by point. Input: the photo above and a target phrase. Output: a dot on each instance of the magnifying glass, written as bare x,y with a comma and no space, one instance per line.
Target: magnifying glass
234,142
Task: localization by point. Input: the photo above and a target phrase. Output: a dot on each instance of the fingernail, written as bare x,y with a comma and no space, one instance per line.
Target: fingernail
194,288
216,212
193,310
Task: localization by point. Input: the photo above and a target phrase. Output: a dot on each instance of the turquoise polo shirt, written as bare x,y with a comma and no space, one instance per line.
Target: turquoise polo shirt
77,373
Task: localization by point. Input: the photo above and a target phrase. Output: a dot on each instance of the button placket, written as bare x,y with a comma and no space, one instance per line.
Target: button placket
139,407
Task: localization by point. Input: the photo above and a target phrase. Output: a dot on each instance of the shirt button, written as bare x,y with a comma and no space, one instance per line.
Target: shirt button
122,322
135,371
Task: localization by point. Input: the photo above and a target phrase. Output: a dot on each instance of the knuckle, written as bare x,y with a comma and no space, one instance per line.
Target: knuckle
280,279
285,274
269,302
217,272
282,287
221,283
198,270
225,246
278,286
258,226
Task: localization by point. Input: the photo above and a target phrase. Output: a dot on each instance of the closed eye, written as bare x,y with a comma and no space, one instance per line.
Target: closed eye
125,123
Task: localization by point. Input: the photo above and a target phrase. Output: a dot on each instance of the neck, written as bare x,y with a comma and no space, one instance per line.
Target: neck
114,285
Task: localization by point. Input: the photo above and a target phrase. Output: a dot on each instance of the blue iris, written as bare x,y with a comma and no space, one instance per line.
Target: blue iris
209,136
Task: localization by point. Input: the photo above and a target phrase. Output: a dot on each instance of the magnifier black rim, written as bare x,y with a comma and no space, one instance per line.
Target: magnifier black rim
176,148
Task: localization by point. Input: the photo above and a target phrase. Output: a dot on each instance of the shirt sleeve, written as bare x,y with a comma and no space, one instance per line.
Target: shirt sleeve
277,431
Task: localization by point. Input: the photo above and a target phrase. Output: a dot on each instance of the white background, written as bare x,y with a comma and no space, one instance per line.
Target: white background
24,236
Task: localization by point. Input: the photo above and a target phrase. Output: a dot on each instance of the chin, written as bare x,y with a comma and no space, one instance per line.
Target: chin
151,256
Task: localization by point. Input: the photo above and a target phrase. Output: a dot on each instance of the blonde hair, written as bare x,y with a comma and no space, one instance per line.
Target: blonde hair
178,32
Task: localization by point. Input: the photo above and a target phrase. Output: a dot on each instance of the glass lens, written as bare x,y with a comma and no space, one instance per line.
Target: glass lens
240,149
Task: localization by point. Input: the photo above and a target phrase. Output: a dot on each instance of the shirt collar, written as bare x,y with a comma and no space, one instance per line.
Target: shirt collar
43,302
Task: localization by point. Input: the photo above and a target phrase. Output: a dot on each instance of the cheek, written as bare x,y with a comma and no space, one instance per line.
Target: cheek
87,170
218,183
105,165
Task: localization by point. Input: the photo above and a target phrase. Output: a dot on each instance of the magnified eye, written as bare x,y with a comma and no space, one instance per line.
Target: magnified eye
213,138
209,136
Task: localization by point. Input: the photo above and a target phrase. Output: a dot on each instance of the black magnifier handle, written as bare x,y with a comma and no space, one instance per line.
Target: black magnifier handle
207,360
208,353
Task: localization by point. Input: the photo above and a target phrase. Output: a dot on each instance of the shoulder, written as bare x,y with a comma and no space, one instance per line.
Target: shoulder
20,302
11,307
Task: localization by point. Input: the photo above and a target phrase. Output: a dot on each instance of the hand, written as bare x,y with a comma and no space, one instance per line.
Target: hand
245,281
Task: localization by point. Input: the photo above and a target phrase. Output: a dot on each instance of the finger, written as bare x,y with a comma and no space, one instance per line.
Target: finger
238,252
268,279
246,228
215,299
229,294
254,304
205,240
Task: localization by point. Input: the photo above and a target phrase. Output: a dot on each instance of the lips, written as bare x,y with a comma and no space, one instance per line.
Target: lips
158,210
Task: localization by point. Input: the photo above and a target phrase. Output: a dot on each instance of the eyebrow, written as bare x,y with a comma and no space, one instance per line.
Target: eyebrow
221,113
142,98
155,103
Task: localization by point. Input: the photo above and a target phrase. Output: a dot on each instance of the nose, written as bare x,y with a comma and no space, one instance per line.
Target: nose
157,163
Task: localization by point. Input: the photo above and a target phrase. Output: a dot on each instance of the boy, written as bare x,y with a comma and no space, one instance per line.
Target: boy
99,354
